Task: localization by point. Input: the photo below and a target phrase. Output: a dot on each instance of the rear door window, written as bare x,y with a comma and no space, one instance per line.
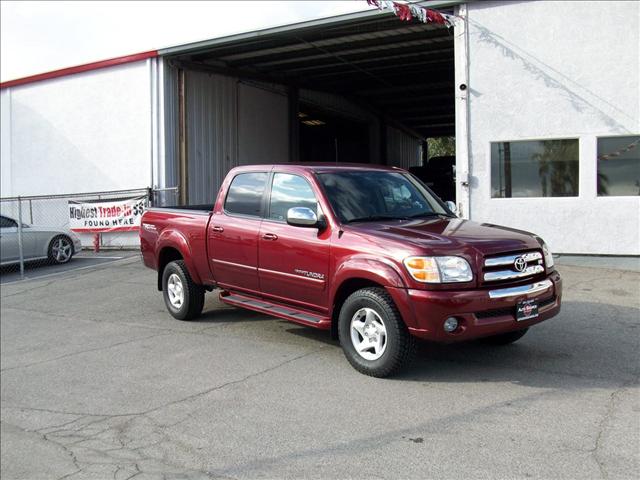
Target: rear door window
245,194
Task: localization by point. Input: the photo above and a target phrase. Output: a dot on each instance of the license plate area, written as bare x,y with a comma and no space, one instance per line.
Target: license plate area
526,310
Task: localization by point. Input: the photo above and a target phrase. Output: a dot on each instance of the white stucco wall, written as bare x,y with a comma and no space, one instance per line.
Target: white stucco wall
80,133
544,70
84,132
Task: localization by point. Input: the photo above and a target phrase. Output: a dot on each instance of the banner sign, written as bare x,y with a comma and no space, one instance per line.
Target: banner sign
106,215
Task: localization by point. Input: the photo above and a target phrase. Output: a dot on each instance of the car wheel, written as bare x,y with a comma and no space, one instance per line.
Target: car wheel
372,334
60,249
184,298
505,338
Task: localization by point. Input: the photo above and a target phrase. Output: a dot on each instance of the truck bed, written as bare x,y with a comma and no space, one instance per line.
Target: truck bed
168,226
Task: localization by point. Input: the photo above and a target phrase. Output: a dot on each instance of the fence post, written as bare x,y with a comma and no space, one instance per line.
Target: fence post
20,249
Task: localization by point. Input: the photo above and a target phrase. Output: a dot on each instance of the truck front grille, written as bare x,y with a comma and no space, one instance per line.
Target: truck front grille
513,266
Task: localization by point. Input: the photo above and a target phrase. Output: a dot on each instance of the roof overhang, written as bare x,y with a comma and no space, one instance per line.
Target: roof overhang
401,70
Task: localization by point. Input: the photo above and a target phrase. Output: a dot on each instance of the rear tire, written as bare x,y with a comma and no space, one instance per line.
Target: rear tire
60,250
505,338
372,334
184,298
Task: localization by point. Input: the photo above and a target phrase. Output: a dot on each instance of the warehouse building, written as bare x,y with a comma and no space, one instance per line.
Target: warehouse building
543,99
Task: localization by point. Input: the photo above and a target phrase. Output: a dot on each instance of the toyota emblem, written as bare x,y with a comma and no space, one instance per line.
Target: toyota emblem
520,264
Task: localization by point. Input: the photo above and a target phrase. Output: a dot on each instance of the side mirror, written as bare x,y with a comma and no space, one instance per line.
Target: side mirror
451,206
302,217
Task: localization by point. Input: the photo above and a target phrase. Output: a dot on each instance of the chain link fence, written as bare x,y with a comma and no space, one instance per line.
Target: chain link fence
52,229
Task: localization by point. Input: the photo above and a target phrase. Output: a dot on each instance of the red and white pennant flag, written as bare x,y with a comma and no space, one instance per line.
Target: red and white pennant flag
408,11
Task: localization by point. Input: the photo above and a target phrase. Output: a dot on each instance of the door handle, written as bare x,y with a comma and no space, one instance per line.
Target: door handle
217,228
270,236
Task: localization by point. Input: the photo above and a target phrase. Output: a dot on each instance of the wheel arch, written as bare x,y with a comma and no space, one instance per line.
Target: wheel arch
346,288
172,245
166,255
361,272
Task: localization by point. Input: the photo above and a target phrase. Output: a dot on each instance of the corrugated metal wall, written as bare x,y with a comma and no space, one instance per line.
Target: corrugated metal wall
229,122
211,132
403,150
263,124
171,178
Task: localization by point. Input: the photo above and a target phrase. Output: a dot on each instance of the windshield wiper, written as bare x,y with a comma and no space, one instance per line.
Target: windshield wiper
373,218
431,214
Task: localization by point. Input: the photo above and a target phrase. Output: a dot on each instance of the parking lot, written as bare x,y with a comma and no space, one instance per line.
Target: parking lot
99,382
81,261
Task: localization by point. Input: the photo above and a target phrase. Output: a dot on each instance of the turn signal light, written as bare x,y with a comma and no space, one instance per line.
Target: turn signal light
423,269
439,269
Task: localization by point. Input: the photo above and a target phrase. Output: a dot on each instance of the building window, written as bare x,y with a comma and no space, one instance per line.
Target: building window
619,166
538,168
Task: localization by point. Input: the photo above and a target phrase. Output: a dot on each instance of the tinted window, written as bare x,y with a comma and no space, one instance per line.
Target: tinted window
619,166
7,223
245,194
540,168
361,195
290,191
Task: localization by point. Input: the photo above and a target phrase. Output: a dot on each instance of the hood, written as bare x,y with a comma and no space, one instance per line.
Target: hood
449,236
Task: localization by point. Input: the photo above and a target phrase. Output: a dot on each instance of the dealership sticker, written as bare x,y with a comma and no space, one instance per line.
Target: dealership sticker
106,215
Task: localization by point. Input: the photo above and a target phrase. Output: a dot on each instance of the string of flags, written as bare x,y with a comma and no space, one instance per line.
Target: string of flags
408,11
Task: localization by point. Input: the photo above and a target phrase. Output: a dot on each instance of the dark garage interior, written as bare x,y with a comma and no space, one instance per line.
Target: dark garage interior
401,73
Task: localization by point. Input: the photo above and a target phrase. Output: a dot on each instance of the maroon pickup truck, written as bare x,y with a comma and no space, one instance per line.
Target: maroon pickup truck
369,253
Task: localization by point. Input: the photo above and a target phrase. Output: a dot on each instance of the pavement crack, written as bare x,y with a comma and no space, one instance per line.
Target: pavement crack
233,382
173,402
30,289
72,354
602,426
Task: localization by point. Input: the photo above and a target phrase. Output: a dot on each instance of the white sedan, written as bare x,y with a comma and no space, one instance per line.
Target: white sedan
38,243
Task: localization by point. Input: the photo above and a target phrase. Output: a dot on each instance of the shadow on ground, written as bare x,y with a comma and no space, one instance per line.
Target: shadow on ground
587,341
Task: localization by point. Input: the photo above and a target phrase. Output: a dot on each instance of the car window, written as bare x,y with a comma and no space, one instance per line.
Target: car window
245,194
290,191
376,194
7,223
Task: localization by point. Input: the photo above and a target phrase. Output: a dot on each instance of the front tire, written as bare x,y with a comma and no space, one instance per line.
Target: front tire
184,298
60,250
372,334
505,338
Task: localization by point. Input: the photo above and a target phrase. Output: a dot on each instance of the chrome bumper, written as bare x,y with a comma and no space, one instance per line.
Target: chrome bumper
521,290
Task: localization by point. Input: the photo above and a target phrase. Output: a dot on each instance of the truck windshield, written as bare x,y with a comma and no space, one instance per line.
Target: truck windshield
359,196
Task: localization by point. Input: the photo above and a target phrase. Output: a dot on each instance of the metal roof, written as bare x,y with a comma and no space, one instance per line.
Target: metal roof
402,70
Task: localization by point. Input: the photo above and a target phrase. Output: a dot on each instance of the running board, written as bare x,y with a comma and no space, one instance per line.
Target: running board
280,311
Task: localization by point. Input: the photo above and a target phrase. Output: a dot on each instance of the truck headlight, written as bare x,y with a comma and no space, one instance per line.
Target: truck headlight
546,251
548,256
439,269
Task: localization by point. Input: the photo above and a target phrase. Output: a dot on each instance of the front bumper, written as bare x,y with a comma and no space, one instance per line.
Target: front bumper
77,244
480,313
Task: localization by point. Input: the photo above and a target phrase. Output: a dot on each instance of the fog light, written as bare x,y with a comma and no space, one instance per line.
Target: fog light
450,324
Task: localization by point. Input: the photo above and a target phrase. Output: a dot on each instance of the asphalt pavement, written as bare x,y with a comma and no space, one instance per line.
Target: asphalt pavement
97,382
42,269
